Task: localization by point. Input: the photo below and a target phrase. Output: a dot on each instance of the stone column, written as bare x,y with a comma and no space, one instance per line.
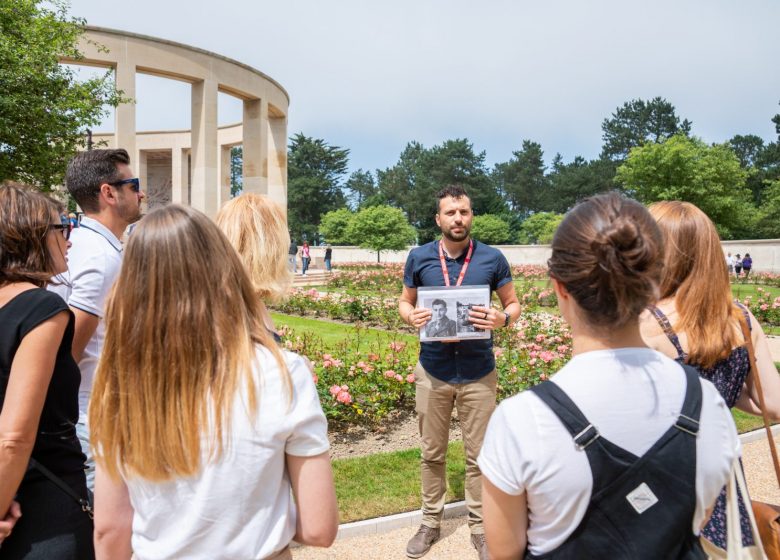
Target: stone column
277,159
204,189
224,175
255,126
179,172
141,171
124,115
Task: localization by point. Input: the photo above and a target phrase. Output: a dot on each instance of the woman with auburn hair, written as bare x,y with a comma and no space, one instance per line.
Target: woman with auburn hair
201,424
697,322
256,226
621,454
39,383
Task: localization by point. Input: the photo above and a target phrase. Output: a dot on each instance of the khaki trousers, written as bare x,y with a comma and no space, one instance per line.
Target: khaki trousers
434,401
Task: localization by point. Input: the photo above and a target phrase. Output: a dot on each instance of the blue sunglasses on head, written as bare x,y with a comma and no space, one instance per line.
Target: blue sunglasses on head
135,184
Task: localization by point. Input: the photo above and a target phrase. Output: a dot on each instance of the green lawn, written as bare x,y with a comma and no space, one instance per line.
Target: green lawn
741,291
334,334
388,483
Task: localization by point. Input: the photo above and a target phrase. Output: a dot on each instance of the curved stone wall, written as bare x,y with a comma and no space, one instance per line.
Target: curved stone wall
193,167
765,254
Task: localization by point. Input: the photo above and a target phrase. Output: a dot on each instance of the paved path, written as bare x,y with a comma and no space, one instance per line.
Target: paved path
774,347
455,542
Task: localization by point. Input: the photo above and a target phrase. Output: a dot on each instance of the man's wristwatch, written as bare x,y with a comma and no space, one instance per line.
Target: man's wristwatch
507,318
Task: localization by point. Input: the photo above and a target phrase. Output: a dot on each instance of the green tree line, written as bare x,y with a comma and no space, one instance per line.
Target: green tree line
648,152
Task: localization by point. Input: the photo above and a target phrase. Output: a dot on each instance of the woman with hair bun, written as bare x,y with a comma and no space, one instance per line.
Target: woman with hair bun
697,322
604,460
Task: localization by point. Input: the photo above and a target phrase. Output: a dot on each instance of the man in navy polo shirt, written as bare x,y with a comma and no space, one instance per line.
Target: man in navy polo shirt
463,373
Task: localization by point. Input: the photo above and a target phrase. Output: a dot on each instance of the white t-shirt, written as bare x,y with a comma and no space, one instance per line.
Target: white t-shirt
94,261
632,396
240,507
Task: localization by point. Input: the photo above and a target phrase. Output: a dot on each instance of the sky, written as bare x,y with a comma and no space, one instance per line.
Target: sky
372,75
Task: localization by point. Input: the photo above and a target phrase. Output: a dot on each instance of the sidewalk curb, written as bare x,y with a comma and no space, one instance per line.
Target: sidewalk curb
388,523
758,434
391,522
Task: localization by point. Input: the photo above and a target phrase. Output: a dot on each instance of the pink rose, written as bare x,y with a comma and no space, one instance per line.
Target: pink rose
344,397
334,390
410,378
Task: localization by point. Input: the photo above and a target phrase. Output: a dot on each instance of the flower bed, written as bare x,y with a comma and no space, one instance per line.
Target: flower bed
386,280
762,279
359,387
764,308
339,306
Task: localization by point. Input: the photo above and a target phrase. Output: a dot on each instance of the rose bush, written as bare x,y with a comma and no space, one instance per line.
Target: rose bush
364,387
764,308
358,387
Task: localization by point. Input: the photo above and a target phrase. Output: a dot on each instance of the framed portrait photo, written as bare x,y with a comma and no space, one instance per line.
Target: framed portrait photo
450,312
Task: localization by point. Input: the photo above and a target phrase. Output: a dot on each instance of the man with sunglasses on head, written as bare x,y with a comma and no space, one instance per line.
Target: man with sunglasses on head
109,194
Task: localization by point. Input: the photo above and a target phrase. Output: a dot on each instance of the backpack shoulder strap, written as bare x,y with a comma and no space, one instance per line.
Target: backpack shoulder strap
572,418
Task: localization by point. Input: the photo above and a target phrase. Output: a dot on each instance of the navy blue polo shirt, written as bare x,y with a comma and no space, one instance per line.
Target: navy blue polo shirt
468,360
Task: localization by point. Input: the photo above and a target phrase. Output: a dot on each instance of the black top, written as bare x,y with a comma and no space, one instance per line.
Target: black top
56,445
328,253
293,249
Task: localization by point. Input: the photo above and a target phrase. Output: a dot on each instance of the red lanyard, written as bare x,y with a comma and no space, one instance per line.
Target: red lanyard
462,270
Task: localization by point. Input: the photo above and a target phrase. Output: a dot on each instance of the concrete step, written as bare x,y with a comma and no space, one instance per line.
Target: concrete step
313,277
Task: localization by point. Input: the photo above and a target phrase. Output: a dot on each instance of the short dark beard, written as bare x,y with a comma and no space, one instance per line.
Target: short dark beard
451,237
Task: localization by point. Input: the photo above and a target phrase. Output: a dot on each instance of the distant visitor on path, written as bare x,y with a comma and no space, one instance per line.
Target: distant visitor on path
697,322
737,266
747,265
221,448
328,257
621,454
463,373
292,257
730,264
305,257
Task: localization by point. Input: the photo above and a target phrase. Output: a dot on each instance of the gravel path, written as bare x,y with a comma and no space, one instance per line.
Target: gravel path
774,347
455,543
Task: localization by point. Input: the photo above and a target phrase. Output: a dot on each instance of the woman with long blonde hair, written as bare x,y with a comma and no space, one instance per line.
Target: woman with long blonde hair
697,322
256,226
201,425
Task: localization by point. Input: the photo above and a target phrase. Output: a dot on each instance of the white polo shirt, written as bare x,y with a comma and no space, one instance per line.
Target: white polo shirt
94,261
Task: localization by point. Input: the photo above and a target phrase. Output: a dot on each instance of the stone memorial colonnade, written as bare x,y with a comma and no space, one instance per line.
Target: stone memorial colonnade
199,170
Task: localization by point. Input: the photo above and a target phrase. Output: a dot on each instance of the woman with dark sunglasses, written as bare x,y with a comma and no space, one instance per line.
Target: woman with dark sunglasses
39,383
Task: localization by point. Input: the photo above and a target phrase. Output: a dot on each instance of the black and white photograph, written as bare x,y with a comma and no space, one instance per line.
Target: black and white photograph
450,312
